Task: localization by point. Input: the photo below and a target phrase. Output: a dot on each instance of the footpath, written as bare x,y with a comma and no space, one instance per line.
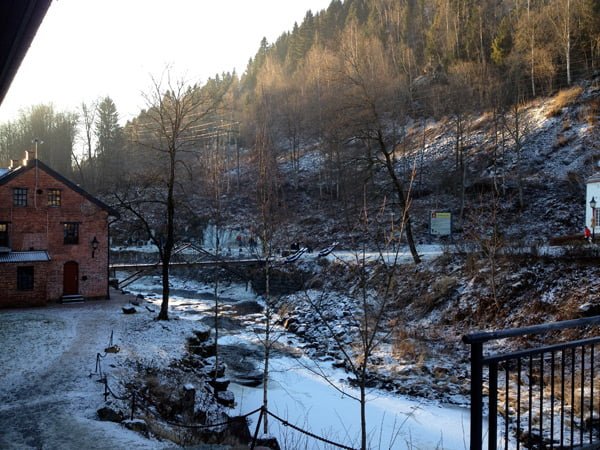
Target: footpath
49,393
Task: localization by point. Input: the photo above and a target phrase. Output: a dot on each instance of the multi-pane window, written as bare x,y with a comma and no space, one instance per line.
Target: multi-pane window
71,232
25,278
53,197
20,196
3,234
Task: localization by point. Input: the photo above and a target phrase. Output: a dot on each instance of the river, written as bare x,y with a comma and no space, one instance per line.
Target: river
298,395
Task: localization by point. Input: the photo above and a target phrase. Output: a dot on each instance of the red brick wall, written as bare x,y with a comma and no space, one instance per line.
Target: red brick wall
40,227
11,297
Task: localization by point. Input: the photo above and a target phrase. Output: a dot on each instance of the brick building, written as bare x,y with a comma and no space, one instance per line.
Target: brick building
54,238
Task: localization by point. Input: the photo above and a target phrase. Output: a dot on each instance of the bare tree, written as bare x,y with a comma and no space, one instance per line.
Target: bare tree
372,112
88,119
482,227
166,131
372,289
269,205
518,126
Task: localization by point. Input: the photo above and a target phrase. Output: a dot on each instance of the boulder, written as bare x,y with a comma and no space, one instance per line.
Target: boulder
226,398
202,334
188,400
220,384
203,349
129,309
248,307
589,309
107,414
137,425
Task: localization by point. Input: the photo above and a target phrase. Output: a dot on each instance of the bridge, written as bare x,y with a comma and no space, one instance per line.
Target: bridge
184,255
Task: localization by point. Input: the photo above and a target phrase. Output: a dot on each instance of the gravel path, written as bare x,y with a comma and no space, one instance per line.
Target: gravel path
49,393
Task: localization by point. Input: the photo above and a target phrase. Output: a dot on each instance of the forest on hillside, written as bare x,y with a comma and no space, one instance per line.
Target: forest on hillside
347,81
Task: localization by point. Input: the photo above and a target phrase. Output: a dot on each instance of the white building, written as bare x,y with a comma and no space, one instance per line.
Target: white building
593,193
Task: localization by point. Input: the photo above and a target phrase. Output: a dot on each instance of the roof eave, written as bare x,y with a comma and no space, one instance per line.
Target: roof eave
32,163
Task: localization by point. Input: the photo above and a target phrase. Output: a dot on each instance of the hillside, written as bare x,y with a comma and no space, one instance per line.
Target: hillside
498,270
559,149
438,302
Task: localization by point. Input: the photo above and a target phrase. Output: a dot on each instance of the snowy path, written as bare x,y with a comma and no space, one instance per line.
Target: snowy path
47,397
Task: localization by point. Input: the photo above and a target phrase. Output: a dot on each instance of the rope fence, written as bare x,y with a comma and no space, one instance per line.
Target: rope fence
108,392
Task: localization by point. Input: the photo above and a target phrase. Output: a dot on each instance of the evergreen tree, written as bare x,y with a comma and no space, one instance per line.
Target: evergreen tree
109,138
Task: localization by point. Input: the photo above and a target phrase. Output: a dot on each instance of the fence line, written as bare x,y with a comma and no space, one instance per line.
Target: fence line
544,394
262,410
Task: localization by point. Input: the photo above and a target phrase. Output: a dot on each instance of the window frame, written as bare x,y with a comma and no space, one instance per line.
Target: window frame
25,278
20,195
54,198
70,233
4,234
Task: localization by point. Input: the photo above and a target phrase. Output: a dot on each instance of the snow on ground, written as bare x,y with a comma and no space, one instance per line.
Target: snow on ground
49,392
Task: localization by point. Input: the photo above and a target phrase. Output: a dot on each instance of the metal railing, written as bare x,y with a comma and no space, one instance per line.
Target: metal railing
543,397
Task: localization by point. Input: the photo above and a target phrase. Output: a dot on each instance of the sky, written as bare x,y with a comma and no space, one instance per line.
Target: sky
88,49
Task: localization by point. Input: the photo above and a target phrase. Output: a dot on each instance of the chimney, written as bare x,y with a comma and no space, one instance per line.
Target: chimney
14,163
29,156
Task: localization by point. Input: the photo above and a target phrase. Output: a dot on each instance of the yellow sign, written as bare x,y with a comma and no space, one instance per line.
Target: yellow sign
440,223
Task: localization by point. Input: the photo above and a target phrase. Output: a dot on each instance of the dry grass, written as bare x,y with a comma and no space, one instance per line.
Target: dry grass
562,140
407,348
439,291
591,112
563,99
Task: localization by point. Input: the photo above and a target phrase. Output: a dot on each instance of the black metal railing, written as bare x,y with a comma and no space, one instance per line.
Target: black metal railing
543,397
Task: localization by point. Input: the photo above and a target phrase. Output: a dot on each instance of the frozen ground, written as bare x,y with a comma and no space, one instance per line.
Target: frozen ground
49,393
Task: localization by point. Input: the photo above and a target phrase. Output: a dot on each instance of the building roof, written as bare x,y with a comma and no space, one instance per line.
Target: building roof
32,163
24,257
19,22
594,178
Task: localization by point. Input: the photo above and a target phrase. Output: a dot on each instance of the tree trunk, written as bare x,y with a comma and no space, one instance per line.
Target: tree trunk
267,348
363,411
389,164
170,238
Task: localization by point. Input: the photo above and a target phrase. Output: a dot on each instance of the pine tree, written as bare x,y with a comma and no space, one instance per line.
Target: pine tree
109,138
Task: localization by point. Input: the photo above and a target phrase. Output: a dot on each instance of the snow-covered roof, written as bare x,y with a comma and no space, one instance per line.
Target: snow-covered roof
21,257
594,178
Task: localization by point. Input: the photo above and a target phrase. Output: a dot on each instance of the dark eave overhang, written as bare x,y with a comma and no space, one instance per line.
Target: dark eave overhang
19,22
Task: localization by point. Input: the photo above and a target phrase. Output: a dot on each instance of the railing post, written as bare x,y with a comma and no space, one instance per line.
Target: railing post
476,395
255,437
106,392
493,408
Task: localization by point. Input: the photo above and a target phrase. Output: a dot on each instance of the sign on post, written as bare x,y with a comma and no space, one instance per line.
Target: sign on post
440,223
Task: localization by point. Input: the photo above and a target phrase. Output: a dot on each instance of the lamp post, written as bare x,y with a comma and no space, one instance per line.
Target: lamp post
36,141
593,221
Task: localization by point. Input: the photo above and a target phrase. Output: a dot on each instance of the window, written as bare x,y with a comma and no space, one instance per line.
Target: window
20,197
53,197
25,278
4,234
71,232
